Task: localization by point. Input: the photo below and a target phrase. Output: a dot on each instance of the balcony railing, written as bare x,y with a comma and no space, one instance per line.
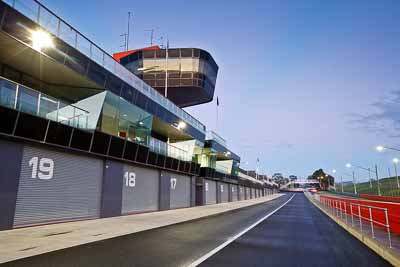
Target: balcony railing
62,30
211,135
28,100
169,150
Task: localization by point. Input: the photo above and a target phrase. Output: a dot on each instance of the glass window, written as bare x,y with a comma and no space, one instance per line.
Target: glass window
48,107
67,34
148,54
186,64
27,100
186,52
7,93
28,8
160,53
173,53
66,114
48,21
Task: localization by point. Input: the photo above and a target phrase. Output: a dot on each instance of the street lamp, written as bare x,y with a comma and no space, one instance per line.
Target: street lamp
395,162
381,148
348,165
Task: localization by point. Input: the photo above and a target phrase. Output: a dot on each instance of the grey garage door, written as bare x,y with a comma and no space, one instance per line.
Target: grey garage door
241,193
234,192
180,191
57,186
224,192
139,189
248,193
210,188
253,193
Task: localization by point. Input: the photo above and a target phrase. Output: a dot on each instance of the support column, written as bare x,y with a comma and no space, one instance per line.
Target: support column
111,195
10,169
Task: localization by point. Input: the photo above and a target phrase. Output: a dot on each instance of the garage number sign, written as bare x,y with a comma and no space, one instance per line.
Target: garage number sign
42,168
173,183
130,179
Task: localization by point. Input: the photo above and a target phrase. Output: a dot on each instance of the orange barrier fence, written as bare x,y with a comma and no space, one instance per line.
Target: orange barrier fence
380,198
351,206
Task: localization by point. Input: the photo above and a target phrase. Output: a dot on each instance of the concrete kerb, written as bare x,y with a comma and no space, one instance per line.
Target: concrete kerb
383,251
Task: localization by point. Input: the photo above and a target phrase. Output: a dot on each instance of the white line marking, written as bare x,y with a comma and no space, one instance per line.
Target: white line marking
231,239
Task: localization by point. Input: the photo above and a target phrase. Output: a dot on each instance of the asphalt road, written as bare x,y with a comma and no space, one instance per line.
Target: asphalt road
297,235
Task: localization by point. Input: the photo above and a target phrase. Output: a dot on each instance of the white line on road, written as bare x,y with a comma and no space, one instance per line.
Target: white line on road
230,240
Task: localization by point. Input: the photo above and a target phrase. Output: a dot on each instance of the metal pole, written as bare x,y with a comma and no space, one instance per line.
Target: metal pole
354,182
369,176
166,70
359,216
388,228
351,212
341,181
397,177
372,224
127,38
377,178
345,211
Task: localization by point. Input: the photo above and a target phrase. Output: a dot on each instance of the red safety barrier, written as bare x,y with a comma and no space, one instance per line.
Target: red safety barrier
378,215
380,198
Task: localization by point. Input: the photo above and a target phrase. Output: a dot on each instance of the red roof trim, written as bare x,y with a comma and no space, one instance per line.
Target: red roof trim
118,56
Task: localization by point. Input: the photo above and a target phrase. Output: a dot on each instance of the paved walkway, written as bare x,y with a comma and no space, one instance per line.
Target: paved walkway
20,243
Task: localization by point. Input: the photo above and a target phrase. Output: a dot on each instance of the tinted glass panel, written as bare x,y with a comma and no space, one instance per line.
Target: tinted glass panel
97,73
160,53
186,52
173,52
7,93
148,54
27,100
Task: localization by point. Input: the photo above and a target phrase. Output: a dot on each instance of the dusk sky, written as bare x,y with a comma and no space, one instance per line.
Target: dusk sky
302,84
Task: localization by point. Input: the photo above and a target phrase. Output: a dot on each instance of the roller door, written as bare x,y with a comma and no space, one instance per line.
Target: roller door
234,192
139,189
224,192
253,193
180,191
210,188
57,186
241,193
248,193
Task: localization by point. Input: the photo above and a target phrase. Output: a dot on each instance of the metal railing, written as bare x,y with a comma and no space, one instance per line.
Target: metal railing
352,214
211,135
169,150
62,30
25,99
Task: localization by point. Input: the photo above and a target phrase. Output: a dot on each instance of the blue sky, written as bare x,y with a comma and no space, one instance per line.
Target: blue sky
302,84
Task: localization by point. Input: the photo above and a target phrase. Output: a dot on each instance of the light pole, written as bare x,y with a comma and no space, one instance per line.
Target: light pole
381,148
341,181
348,165
166,70
377,178
395,162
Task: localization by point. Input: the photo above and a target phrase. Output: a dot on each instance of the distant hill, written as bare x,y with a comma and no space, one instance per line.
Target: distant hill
388,187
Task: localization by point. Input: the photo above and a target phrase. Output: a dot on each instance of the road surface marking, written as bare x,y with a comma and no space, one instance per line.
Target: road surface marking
230,240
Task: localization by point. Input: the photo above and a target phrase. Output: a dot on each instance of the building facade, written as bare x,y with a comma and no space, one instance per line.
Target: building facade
82,136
